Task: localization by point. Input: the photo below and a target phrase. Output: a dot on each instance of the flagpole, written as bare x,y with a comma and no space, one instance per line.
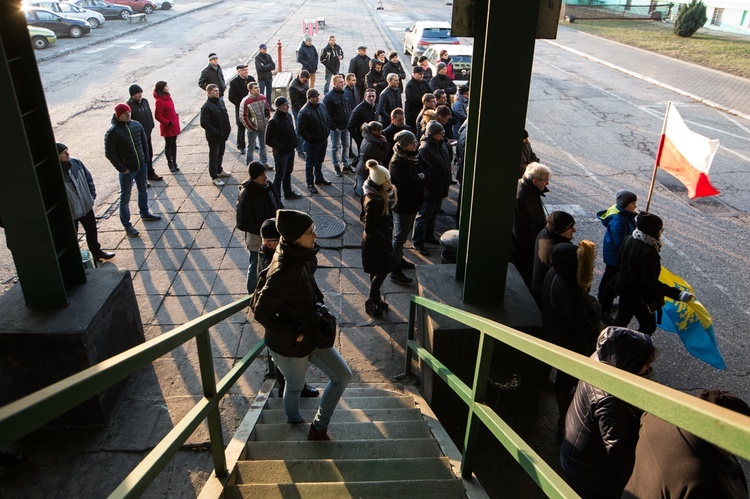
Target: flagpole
658,156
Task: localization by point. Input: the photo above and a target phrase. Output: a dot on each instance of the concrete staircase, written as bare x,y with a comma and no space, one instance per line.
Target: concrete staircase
382,446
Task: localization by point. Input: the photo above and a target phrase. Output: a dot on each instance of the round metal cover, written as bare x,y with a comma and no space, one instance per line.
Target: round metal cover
327,226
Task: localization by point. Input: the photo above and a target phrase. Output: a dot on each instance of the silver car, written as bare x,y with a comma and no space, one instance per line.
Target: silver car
69,10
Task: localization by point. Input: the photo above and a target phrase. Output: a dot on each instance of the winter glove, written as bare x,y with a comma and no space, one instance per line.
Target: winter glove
686,296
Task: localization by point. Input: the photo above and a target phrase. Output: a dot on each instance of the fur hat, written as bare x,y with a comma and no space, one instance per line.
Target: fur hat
60,147
121,108
404,138
378,173
292,224
441,65
560,221
649,224
311,92
586,254
433,128
255,169
624,197
134,89
268,229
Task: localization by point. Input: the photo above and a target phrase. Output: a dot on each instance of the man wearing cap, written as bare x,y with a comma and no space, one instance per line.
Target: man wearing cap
282,139
529,218
559,229
364,112
415,89
307,55
298,97
264,66
212,74
360,66
141,112
215,121
331,57
340,107
442,80
79,186
460,108
619,223
394,66
258,201
237,92
314,127
125,146
390,99
254,114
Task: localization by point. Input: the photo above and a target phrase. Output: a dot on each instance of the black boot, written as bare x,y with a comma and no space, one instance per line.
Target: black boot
371,308
170,164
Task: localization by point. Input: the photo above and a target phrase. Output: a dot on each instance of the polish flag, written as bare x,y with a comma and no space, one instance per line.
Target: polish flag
686,155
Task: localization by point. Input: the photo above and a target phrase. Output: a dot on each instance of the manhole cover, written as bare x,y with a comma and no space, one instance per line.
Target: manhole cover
327,226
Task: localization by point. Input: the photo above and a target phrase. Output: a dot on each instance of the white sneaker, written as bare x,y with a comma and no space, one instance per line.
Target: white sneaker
218,182
225,174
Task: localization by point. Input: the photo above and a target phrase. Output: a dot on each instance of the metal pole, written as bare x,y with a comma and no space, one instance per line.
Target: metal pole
278,56
208,379
658,156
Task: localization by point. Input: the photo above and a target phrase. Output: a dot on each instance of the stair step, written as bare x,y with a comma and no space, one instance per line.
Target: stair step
434,489
343,470
284,432
348,415
391,402
353,449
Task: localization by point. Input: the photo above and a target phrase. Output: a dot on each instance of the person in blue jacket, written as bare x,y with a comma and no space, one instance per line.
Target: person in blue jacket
619,221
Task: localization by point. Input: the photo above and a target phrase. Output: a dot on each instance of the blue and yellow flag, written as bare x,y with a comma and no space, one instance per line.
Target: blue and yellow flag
692,322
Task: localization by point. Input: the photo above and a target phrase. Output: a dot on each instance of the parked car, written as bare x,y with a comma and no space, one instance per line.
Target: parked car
422,34
67,9
145,6
460,56
41,37
62,26
164,4
108,10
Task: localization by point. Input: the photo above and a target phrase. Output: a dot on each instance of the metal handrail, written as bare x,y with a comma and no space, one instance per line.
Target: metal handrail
25,415
717,425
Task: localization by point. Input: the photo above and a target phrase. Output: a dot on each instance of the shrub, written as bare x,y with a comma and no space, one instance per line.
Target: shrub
690,18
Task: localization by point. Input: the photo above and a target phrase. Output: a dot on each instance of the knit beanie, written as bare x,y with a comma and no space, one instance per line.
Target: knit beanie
378,173
121,108
624,197
268,229
433,128
256,169
404,138
560,221
292,224
134,89
60,147
441,65
649,224
280,101
392,54
312,93
212,56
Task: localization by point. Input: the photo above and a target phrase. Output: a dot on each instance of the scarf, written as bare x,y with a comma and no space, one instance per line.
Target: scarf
410,156
375,192
650,240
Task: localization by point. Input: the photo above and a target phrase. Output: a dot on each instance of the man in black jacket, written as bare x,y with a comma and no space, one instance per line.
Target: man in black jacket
282,138
141,112
390,99
442,80
215,121
415,89
298,97
264,67
434,155
331,57
398,124
212,74
314,127
394,66
407,176
125,146
307,55
340,107
360,66
237,92
364,113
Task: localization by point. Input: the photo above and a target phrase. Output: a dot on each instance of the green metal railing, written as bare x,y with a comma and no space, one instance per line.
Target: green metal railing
722,427
31,412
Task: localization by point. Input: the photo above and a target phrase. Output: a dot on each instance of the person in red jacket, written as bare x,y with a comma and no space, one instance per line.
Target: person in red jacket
169,122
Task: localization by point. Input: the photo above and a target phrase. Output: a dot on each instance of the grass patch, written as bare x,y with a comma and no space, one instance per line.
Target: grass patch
724,52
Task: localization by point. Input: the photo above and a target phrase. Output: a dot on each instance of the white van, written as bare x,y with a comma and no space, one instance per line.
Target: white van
67,9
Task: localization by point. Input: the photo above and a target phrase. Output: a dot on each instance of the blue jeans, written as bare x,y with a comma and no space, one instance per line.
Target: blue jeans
424,225
266,86
316,153
327,86
402,226
340,148
263,153
252,271
284,163
300,140
294,370
126,187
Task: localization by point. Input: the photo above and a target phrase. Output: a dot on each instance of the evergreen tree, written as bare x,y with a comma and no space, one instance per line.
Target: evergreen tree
690,18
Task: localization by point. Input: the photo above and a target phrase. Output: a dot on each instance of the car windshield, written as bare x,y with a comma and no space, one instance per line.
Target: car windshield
436,33
465,59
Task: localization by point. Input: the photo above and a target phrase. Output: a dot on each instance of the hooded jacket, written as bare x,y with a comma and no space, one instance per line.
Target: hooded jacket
377,250
376,79
395,68
165,114
619,224
436,162
79,186
373,147
125,144
362,113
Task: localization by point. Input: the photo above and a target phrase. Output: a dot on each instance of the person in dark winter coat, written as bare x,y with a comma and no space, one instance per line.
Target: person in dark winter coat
307,55
601,431
375,78
641,292
559,229
397,124
340,107
364,112
429,104
351,88
436,161
446,59
374,146
281,137
424,63
331,57
258,201
442,81
460,108
215,121
619,222
314,127
286,308
672,462
407,177
298,98
390,99
527,154
212,73
415,89
394,66
529,218
237,92
81,193
377,252
570,315
264,67
125,147
169,122
141,112
360,66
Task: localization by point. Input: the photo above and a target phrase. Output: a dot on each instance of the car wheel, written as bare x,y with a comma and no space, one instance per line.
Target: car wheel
124,15
166,6
39,42
406,52
414,60
148,9
94,22
75,32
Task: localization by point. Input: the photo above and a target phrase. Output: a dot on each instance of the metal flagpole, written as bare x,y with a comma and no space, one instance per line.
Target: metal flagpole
658,156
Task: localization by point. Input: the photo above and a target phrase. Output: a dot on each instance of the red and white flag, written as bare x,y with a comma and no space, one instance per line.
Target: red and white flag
686,155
